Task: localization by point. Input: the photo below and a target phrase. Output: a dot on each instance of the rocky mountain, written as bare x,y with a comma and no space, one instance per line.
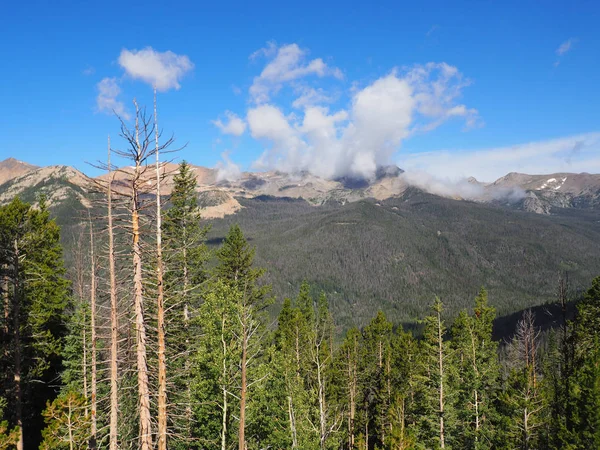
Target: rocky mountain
61,185
533,193
558,190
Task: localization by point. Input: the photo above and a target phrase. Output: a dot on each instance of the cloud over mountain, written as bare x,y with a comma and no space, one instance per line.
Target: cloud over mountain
352,136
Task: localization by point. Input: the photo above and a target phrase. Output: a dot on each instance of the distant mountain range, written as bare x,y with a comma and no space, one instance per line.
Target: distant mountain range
533,193
391,243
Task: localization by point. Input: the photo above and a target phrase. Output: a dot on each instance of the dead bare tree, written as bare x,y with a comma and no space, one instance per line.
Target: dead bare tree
138,152
114,321
160,307
94,390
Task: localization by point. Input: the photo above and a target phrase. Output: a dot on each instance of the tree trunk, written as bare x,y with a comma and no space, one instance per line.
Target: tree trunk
441,379
292,418
160,309
145,433
70,424
322,412
6,297
114,346
17,331
352,395
242,432
93,424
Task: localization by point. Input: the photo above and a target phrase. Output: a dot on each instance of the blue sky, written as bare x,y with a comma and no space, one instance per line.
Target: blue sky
450,88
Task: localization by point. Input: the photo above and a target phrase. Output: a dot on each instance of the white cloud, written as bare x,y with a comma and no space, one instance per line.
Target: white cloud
287,63
106,101
563,49
354,142
437,87
234,125
566,46
570,154
451,187
162,70
310,96
227,170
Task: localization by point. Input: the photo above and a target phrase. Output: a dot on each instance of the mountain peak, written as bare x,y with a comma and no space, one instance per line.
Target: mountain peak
12,168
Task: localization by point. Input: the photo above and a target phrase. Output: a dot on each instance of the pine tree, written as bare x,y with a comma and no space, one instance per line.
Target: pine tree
235,268
67,424
586,373
348,361
521,402
478,373
185,255
376,377
216,365
404,352
437,415
31,259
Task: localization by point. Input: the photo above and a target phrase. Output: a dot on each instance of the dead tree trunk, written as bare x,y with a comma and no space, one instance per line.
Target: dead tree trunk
114,337
160,309
17,331
224,387
93,406
145,434
441,378
243,390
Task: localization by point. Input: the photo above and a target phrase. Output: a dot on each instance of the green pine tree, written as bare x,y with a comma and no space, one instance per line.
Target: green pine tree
37,301
476,356
437,417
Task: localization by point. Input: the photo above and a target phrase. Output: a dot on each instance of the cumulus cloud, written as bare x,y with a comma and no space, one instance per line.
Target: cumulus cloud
286,64
106,101
227,170
580,153
232,125
354,142
162,70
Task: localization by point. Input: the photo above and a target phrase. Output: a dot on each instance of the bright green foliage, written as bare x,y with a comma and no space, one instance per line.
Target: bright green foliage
404,353
67,425
230,322
476,358
185,255
292,342
8,437
350,392
436,416
184,235
32,269
586,375
376,378
215,365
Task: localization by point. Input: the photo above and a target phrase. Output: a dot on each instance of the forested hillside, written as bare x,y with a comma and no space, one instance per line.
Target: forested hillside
397,254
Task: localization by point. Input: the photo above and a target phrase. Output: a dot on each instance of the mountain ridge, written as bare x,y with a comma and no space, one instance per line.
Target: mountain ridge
533,193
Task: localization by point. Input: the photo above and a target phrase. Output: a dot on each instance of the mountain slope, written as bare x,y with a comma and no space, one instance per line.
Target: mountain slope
397,254
66,189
